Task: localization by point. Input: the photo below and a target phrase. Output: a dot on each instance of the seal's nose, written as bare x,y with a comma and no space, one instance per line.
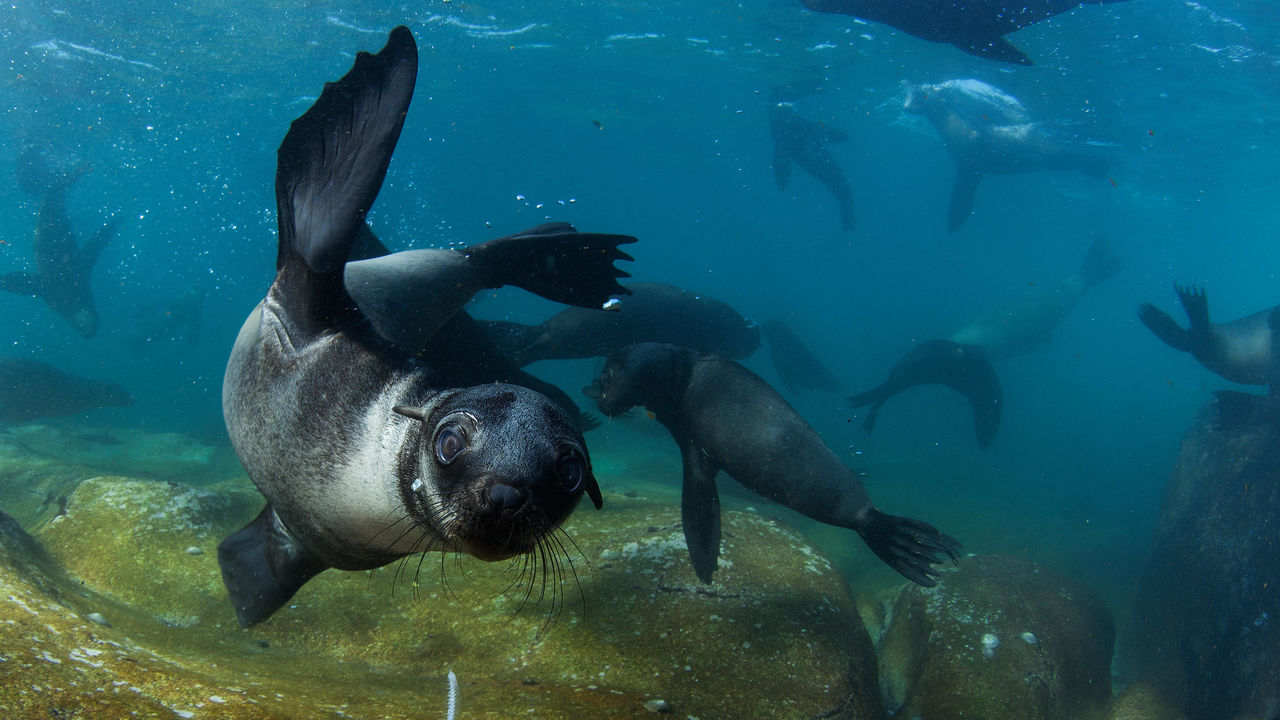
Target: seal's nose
505,497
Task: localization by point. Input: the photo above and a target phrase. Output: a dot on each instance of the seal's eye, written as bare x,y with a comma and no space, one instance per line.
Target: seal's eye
450,443
571,472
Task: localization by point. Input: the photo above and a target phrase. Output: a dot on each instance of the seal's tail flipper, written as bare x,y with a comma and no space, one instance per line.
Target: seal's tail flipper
556,262
331,165
93,248
962,195
1100,263
1196,304
986,396
263,566
907,545
1165,327
875,398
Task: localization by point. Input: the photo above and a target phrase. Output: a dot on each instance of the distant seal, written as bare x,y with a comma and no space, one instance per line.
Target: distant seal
63,270
804,142
1242,350
987,131
963,368
1029,321
30,389
977,27
653,312
724,417
365,452
794,362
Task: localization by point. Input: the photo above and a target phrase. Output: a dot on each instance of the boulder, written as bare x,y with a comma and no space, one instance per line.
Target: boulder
998,638
1142,702
119,609
1206,618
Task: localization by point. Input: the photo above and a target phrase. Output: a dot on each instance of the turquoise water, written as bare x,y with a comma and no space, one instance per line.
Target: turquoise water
648,119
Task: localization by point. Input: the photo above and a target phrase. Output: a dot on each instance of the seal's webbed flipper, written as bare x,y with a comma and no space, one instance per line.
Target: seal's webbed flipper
330,168
997,48
1196,305
1100,263
92,249
907,545
875,398
263,566
21,283
556,262
700,512
1165,327
962,196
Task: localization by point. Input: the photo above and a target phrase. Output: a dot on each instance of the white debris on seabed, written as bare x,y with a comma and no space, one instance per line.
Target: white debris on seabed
657,705
97,618
193,550
1030,638
989,644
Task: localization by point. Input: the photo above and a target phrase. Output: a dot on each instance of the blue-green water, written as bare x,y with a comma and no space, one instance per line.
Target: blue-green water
648,119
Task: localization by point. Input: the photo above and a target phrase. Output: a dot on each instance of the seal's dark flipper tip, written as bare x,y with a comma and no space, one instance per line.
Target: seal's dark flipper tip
700,512
262,567
1196,304
568,267
1165,327
908,545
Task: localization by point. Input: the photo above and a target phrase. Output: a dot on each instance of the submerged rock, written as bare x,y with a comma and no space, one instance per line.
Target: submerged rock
619,619
1142,702
1205,629
957,650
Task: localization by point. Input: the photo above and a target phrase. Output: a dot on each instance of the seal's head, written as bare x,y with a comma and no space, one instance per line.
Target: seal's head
648,374
493,469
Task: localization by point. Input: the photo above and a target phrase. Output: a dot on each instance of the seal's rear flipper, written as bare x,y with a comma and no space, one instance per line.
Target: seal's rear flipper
962,195
263,566
700,512
1100,263
556,262
1196,304
907,545
21,283
875,398
330,168
997,48
1165,327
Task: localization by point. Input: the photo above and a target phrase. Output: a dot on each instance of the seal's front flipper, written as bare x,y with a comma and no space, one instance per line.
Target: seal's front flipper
21,283
92,249
907,545
556,262
263,566
330,168
1165,327
997,48
700,512
962,195
875,398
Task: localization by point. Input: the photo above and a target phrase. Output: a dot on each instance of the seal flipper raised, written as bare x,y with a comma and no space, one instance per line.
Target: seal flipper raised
329,170
263,566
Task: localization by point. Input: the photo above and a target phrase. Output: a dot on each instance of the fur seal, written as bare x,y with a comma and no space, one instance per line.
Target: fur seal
977,27
364,451
795,363
62,269
963,368
804,142
1029,321
988,131
1242,350
30,389
653,312
724,417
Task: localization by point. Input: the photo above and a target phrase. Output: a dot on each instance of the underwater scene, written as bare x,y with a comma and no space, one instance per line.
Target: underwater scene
769,359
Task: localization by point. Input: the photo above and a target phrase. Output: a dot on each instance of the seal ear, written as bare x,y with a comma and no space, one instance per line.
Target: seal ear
410,412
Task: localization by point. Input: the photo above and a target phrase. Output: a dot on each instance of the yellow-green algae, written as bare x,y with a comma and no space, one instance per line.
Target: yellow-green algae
775,636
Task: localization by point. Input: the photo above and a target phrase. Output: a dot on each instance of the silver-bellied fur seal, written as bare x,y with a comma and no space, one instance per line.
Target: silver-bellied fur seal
1029,321
365,452
724,417
653,312
63,270
977,27
963,368
988,131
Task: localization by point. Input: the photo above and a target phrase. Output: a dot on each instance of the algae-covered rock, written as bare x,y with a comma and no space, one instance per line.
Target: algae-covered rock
1205,629
1142,702
625,624
998,638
